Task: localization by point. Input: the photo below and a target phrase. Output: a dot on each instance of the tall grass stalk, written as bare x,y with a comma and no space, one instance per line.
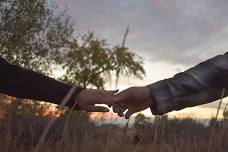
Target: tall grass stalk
52,121
215,121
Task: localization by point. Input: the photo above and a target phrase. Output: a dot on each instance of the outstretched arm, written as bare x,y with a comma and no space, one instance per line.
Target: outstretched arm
18,82
21,83
198,85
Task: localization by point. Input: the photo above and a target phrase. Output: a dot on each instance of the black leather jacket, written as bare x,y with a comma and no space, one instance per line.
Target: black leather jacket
18,82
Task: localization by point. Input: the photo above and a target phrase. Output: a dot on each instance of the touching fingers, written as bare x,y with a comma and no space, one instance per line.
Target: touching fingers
118,107
105,98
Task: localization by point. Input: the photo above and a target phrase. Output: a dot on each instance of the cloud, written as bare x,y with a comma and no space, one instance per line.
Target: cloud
181,32
165,32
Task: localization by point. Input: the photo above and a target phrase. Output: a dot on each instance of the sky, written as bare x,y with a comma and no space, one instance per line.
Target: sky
171,35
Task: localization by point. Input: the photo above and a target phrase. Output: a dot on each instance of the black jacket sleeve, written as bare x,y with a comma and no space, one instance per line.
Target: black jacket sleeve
18,82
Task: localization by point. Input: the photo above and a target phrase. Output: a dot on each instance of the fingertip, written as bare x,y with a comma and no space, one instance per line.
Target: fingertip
127,117
128,114
116,91
114,109
120,114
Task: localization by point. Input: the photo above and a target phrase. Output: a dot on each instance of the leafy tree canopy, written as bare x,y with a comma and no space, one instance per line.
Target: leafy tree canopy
36,36
91,61
32,34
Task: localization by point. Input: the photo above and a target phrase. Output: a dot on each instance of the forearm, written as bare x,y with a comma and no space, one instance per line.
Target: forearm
21,83
198,85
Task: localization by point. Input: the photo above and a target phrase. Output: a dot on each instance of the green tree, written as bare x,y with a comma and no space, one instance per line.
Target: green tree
91,62
32,34
126,63
87,61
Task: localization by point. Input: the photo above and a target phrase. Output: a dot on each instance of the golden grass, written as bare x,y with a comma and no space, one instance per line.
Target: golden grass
75,132
21,133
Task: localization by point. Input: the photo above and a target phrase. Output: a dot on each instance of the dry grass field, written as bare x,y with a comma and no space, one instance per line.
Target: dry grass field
20,132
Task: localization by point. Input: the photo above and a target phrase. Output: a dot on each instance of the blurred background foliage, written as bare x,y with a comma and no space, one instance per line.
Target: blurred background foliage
36,35
39,36
33,35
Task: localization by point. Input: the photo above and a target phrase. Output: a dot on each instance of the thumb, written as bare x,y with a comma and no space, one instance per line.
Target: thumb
90,108
129,113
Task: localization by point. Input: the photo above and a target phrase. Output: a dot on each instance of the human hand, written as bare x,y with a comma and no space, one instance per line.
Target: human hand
87,99
133,100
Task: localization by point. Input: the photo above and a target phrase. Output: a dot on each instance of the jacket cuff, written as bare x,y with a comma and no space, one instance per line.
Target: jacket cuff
161,94
71,101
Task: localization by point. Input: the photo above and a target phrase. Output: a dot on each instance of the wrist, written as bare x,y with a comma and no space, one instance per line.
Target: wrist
72,100
151,99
